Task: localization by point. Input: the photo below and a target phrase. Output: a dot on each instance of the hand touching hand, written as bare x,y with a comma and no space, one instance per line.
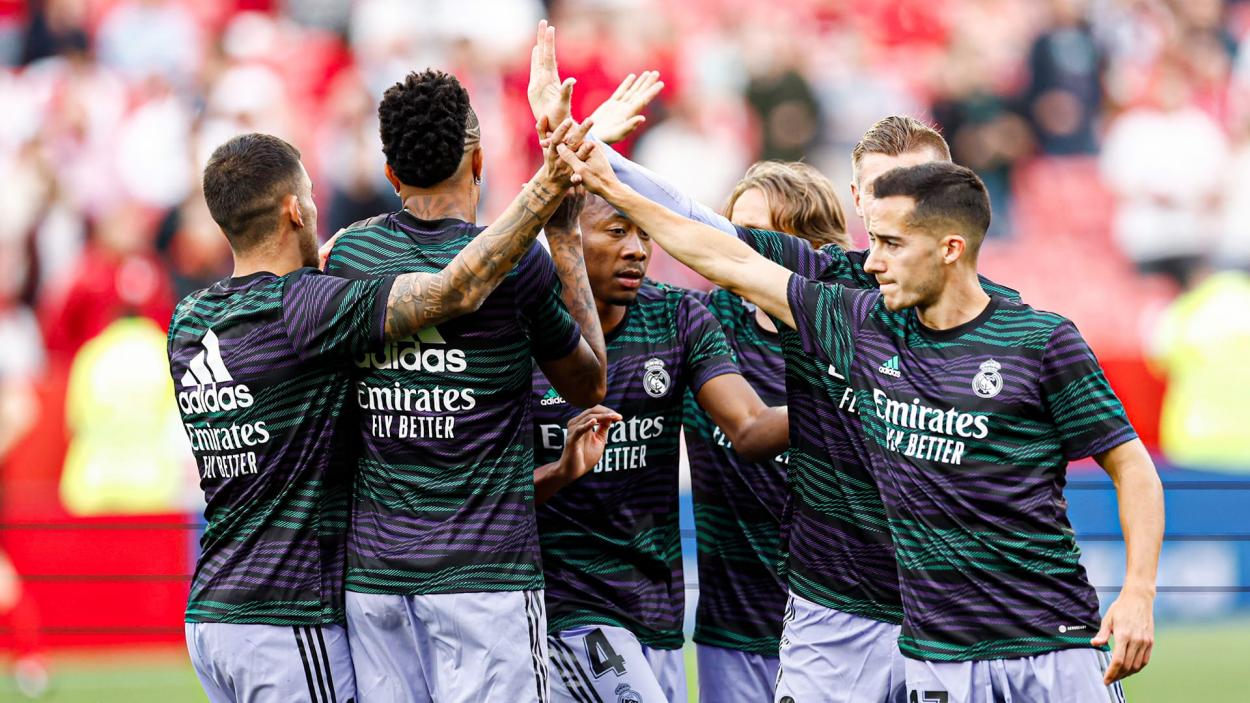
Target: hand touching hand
571,137
548,97
590,167
618,116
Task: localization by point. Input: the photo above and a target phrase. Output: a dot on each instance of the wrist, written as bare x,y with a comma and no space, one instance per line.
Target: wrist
1141,588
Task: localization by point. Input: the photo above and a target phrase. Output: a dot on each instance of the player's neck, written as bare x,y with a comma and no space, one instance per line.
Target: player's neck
610,315
960,301
278,260
448,200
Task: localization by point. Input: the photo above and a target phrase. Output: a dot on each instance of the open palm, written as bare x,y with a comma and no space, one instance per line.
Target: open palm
548,96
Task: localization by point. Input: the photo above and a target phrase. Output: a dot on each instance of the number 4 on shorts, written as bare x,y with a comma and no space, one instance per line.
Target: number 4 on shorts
601,656
929,697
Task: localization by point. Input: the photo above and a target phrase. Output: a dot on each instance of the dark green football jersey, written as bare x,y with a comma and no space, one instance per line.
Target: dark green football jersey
969,432
611,541
443,500
260,365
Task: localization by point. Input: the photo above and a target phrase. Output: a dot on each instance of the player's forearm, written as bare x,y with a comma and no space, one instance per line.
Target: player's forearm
765,436
1140,496
725,261
657,189
1139,493
419,300
570,265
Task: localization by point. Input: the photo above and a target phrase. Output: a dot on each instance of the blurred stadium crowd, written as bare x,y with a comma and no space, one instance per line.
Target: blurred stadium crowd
1114,136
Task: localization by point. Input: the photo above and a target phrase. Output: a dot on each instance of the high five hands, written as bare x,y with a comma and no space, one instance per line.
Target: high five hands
549,97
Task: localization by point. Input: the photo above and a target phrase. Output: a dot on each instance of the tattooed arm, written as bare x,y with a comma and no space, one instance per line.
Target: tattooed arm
580,377
419,300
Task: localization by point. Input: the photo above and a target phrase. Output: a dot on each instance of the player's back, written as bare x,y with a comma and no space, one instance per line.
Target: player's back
258,363
443,498
738,504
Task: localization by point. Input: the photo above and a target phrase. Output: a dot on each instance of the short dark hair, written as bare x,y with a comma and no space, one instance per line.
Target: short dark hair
423,121
244,182
945,194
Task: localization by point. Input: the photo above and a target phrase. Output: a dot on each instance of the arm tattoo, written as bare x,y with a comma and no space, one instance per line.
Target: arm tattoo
419,300
570,264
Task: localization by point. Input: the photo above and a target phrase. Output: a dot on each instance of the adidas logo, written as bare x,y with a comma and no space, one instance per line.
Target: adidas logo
551,398
416,354
205,371
890,367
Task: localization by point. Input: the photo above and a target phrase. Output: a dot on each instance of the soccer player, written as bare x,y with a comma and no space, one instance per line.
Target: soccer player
258,361
444,584
739,504
972,405
840,565
611,543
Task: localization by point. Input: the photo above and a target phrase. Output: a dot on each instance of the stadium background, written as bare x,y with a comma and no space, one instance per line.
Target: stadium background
1114,136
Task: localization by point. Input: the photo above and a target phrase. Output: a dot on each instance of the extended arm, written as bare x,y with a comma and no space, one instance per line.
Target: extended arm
726,261
1131,618
756,431
656,188
419,300
584,443
580,377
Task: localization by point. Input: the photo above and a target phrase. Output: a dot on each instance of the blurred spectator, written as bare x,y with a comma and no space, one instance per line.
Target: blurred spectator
983,130
54,27
146,38
1164,160
785,104
1065,82
116,276
1201,346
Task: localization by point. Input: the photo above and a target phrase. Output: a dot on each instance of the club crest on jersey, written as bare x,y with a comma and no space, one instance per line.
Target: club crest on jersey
988,382
655,379
626,694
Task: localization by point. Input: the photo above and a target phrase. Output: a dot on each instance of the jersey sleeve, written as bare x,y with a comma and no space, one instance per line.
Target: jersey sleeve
829,263
826,317
655,188
553,331
1087,414
332,316
707,350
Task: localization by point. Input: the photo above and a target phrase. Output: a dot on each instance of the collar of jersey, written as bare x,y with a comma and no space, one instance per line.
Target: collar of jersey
957,330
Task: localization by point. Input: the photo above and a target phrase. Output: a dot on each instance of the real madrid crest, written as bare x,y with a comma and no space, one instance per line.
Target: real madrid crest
988,383
655,379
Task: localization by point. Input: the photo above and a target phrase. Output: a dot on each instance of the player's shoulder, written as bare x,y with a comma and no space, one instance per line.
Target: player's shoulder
1026,325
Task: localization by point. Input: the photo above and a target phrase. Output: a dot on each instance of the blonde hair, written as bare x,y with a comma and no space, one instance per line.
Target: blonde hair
800,199
895,135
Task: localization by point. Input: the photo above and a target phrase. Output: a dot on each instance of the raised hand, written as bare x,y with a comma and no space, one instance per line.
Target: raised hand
618,116
590,167
571,136
548,96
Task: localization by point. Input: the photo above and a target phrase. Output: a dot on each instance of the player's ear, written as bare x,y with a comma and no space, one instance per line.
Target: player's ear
477,163
392,178
292,210
859,209
954,246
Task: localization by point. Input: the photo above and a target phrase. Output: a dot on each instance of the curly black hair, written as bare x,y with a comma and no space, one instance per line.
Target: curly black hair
423,122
